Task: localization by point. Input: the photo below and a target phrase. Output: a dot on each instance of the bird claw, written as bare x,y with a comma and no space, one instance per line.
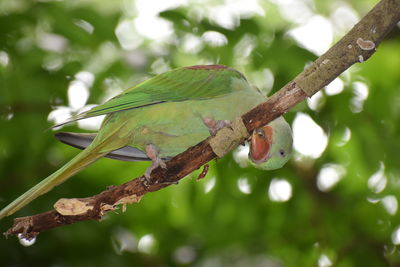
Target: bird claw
161,163
152,153
215,125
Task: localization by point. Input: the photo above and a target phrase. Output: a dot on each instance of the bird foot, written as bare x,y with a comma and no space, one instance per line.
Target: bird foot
215,125
152,152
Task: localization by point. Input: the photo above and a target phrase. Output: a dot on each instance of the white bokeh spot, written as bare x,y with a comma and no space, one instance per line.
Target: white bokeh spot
334,87
127,35
85,25
294,10
209,185
280,190
52,42
147,243
192,44
241,155
329,176
316,35
308,137
215,39
153,27
361,92
4,58
396,236
345,138
315,102
244,185
78,93
377,181
324,261
390,204
124,240
185,254
343,18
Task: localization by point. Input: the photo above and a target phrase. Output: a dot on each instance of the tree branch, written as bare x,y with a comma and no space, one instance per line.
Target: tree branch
356,46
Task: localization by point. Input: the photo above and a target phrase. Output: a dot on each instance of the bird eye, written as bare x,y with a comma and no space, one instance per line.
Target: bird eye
282,152
260,132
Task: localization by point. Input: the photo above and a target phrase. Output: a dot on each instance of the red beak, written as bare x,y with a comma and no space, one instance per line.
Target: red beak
260,145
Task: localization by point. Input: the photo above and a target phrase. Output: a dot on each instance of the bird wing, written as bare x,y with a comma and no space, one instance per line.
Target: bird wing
186,83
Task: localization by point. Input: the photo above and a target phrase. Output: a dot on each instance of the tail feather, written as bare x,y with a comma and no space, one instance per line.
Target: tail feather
78,163
81,141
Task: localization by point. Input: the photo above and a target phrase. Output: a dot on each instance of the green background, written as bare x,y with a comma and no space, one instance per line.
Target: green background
352,223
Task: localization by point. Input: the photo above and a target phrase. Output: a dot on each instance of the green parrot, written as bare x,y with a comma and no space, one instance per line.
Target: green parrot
162,117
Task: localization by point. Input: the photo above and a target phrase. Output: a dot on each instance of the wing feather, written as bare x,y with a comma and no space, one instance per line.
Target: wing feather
186,83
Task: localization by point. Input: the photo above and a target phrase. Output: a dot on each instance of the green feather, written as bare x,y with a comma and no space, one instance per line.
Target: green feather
181,84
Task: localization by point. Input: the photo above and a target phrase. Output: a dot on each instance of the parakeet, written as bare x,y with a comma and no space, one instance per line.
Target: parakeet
162,117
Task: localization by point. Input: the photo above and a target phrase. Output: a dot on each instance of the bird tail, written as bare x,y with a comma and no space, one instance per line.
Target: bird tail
79,162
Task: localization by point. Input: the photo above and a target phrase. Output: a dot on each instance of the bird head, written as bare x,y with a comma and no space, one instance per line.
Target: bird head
271,145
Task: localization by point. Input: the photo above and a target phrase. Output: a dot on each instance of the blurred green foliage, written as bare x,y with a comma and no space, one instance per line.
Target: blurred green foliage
228,218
